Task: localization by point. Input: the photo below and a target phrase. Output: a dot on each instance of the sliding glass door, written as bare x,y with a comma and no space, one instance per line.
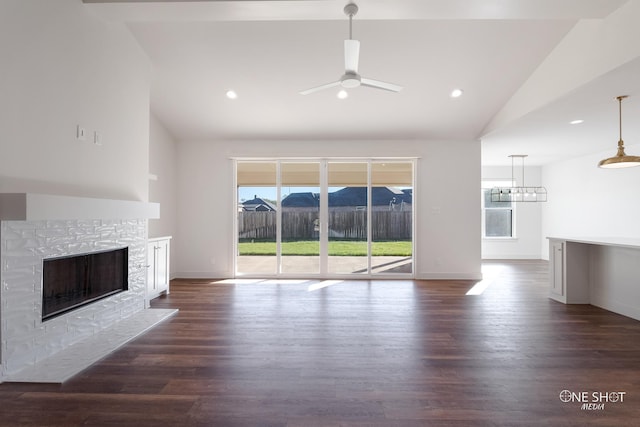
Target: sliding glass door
256,224
325,218
392,217
348,231
300,210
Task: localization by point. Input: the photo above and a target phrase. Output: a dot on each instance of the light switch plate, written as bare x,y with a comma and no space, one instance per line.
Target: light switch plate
81,133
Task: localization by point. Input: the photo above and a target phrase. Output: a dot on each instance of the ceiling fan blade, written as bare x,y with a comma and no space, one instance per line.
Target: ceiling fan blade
319,88
351,55
380,85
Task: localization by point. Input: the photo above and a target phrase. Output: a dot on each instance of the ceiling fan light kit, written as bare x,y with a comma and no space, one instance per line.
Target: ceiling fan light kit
621,159
517,193
351,79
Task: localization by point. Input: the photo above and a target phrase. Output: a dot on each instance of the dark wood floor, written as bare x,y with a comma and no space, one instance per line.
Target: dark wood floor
356,353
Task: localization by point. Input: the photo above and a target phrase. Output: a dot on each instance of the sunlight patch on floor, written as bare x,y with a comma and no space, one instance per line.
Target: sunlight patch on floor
239,281
261,281
323,284
285,281
489,275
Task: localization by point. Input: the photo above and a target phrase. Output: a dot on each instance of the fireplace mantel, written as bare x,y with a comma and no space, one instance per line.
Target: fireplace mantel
37,207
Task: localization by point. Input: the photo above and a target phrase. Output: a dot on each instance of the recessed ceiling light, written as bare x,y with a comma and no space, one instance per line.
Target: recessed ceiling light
231,94
576,122
456,93
343,94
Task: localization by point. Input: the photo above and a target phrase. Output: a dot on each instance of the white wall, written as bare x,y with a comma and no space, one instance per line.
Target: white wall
63,67
528,218
162,178
586,201
447,199
163,183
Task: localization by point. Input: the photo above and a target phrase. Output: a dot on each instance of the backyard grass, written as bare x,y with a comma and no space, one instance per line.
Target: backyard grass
336,248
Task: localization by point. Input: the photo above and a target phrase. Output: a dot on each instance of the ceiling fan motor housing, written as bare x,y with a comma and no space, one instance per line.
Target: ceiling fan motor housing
350,80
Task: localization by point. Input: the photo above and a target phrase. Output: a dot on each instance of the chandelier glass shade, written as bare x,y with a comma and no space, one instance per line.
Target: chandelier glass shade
517,193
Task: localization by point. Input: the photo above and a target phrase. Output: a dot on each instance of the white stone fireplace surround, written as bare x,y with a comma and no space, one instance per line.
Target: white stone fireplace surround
35,227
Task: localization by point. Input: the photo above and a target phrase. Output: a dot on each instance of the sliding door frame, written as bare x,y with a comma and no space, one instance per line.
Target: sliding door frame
324,218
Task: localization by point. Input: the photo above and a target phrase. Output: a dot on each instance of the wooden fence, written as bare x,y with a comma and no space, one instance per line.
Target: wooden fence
348,225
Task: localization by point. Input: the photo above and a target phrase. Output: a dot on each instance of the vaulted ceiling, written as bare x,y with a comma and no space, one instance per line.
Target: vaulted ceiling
527,68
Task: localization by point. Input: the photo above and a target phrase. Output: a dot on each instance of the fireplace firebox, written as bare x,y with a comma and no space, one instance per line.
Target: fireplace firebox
71,282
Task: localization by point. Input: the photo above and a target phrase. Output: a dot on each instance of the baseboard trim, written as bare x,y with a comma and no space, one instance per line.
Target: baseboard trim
507,257
449,276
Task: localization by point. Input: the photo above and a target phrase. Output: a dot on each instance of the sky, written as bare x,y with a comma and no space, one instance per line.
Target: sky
269,193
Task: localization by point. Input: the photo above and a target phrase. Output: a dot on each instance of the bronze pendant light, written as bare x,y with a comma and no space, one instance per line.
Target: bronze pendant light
621,159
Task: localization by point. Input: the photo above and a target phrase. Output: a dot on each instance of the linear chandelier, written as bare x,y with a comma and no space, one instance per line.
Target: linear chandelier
518,193
620,160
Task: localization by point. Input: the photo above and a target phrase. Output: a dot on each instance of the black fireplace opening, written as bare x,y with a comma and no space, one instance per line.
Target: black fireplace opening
70,282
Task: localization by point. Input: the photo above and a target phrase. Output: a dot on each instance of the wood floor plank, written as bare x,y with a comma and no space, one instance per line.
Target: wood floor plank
386,353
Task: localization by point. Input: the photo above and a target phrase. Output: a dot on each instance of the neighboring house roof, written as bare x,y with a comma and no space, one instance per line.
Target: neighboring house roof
350,196
257,204
301,200
380,196
408,195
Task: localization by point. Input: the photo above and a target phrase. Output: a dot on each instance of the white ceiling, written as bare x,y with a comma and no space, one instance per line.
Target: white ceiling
267,51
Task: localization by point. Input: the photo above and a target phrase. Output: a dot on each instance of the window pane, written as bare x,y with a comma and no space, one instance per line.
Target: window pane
300,174
300,217
489,204
498,222
391,217
256,218
256,174
348,248
393,174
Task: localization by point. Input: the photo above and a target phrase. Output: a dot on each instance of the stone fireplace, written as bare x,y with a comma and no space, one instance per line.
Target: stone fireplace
38,227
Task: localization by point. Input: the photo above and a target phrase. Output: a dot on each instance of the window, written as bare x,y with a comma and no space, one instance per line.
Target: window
498,218
324,217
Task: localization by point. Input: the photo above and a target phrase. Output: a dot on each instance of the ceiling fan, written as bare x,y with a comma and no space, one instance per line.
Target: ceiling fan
351,78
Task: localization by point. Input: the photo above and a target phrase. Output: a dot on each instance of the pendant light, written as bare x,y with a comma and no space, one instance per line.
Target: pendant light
620,160
518,193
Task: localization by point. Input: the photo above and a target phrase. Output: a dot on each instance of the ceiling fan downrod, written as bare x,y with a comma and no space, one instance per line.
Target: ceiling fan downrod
350,10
